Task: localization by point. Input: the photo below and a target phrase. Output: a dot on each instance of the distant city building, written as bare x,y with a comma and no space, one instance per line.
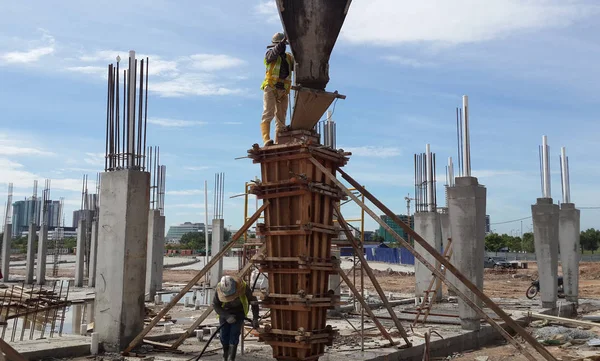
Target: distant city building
78,214
487,224
176,232
53,232
387,237
25,212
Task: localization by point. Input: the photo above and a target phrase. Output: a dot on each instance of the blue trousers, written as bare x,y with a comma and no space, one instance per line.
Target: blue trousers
230,333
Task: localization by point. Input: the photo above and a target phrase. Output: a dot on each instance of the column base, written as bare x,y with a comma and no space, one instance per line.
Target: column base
549,305
470,324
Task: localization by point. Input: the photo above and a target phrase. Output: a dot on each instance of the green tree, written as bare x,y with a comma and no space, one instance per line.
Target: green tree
515,244
528,243
494,242
590,239
193,240
70,242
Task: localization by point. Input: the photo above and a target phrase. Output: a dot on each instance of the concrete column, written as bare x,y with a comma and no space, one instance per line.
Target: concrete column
121,270
93,255
29,273
156,253
218,237
334,278
466,205
76,319
545,236
445,229
427,225
80,255
40,274
568,238
6,243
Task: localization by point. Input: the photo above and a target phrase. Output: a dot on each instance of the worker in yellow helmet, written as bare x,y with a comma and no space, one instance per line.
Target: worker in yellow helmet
276,86
231,302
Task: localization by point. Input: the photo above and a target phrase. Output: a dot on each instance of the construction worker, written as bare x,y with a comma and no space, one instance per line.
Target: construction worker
276,87
231,302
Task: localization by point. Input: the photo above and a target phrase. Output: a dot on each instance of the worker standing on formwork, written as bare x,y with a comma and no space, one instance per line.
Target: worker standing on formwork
231,302
276,87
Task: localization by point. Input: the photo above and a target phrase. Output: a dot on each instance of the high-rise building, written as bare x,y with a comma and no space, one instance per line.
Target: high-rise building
381,232
25,212
487,224
53,214
175,232
82,213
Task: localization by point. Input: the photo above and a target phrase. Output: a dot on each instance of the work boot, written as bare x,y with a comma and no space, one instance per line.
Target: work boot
225,352
233,349
269,143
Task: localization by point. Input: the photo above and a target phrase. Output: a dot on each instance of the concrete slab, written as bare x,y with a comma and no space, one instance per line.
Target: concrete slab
54,348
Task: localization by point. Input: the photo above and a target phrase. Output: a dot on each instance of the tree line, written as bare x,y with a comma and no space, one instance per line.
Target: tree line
494,242
195,241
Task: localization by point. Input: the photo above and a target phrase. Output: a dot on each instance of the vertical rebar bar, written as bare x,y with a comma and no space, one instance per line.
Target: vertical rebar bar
62,321
45,323
15,323
35,313
12,291
146,108
26,314
106,152
139,123
55,311
466,141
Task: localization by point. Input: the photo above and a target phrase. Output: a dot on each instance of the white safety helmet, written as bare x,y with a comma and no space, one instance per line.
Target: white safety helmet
227,285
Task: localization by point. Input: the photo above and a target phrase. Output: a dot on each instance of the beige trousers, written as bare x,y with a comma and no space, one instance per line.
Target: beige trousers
275,104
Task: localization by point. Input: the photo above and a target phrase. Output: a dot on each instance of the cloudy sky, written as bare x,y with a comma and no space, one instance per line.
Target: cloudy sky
530,68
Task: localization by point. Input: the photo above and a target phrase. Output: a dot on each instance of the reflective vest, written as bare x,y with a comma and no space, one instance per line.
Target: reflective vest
272,73
242,297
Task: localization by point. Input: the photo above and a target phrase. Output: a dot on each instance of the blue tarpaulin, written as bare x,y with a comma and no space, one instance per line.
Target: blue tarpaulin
381,253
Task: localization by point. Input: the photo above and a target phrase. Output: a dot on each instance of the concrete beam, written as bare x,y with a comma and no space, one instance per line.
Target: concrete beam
121,271
29,268
6,243
218,238
93,255
545,236
156,252
80,255
568,237
40,274
427,224
466,205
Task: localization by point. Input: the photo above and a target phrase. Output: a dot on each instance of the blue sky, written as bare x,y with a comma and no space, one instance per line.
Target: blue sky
529,68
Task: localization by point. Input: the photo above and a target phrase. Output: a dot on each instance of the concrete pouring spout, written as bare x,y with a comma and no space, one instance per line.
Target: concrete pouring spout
312,28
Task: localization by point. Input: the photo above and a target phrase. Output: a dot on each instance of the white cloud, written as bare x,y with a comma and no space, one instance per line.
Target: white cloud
45,47
186,192
373,151
90,70
198,84
16,172
455,22
188,205
196,169
212,62
96,159
268,11
175,123
414,63
10,145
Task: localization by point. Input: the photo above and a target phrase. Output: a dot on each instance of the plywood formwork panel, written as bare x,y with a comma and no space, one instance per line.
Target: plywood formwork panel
297,231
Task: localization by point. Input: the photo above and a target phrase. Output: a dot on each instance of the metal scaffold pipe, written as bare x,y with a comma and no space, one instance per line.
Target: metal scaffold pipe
466,151
429,179
545,169
564,171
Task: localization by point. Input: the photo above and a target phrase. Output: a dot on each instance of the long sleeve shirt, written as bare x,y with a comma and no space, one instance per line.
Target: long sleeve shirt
279,51
235,307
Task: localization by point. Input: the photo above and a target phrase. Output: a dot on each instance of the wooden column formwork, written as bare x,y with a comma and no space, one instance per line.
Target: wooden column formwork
297,231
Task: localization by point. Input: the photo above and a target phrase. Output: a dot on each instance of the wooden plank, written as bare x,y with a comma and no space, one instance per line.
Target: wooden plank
566,321
430,249
136,341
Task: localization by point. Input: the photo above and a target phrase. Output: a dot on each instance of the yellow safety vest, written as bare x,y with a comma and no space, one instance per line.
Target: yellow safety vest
272,73
243,299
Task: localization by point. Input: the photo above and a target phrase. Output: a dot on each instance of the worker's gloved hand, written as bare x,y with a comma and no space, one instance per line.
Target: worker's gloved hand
231,320
255,323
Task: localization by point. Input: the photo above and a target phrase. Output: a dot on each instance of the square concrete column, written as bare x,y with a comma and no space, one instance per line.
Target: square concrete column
29,273
334,278
93,255
466,205
568,238
545,237
40,273
6,243
445,229
121,269
218,238
156,253
427,225
80,255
